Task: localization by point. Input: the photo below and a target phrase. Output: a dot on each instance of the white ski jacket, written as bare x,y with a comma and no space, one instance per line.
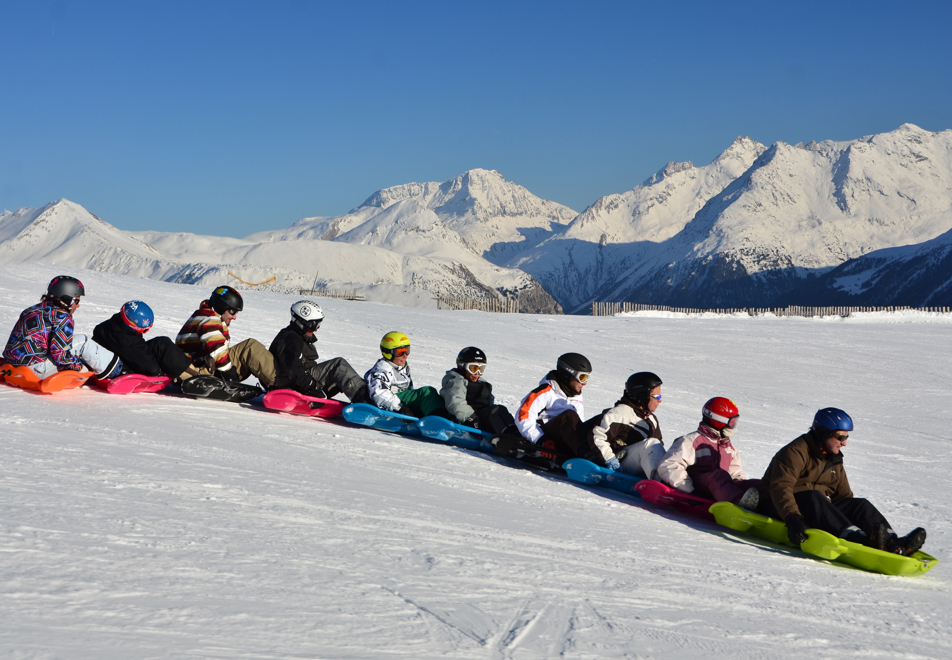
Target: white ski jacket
384,380
542,404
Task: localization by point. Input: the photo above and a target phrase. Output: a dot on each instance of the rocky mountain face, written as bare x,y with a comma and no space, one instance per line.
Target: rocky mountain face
913,276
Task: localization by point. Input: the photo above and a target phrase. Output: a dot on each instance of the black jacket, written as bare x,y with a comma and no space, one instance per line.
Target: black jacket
293,358
155,357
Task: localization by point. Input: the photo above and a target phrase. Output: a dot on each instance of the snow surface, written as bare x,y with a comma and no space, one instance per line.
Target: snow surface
149,526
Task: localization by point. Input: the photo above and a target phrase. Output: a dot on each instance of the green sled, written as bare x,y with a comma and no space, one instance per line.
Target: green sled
821,544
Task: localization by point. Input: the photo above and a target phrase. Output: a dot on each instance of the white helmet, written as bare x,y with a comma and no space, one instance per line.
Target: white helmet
307,314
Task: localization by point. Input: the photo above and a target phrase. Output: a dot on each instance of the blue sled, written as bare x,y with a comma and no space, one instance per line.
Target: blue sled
384,420
587,472
440,428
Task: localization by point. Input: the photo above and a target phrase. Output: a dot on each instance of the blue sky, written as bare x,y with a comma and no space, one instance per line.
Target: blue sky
228,118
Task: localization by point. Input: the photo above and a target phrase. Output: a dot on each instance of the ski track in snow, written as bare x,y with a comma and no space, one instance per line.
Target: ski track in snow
152,526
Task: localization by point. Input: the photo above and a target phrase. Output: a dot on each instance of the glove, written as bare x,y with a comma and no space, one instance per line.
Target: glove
472,422
406,410
796,529
613,464
230,375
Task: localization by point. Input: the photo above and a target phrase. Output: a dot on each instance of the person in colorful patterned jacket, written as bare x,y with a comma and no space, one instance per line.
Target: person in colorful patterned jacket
43,338
706,463
805,485
390,383
206,340
628,436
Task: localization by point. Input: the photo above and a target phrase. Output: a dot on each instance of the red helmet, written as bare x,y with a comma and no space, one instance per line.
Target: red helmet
720,413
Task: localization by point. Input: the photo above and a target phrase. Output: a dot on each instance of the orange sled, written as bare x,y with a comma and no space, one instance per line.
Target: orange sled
61,380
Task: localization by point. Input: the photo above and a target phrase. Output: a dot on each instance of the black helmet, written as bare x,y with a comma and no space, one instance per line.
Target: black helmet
470,354
638,385
570,365
224,298
65,289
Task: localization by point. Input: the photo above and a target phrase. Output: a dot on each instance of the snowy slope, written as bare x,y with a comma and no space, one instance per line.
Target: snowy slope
150,526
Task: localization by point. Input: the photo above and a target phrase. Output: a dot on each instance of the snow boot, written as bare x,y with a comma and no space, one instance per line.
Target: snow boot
750,499
909,544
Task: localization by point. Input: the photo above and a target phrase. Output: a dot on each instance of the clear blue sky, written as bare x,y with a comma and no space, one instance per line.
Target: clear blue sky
233,117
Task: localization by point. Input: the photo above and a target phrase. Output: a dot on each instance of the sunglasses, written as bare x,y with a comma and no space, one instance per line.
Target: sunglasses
656,397
842,437
475,367
400,351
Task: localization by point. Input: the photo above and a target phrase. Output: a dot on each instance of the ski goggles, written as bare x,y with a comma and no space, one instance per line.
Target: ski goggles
475,367
312,325
400,351
729,422
583,377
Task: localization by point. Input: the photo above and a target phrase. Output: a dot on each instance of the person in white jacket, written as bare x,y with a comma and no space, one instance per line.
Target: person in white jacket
705,462
550,415
391,386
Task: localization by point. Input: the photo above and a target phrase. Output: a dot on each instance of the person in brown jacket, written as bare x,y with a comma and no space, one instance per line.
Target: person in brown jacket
805,485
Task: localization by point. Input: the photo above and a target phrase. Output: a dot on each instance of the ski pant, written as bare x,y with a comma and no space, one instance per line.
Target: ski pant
833,517
719,486
422,401
336,376
100,361
495,419
566,433
173,362
250,357
643,458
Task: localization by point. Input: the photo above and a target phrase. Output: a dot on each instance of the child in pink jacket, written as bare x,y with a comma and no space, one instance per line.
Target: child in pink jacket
705,462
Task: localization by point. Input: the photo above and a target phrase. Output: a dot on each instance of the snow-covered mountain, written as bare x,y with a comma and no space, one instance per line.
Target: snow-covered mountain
794,213
404,254
914,275
478,209
618,232
756,227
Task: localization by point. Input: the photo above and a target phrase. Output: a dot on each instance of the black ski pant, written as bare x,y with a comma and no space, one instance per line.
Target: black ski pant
566,433
832,517
336,376
495,419
169,356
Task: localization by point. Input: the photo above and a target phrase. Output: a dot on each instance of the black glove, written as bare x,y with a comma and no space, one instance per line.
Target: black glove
796,529
471,421
406,410
230,375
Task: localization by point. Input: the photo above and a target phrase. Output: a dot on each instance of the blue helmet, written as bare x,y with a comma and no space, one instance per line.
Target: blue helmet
832,419
138,316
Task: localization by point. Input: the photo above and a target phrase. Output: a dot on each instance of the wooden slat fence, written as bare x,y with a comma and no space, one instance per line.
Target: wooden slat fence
609,309
504,305
332,293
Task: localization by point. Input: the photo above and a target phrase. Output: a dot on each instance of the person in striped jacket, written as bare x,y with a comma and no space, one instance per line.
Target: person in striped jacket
206,340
